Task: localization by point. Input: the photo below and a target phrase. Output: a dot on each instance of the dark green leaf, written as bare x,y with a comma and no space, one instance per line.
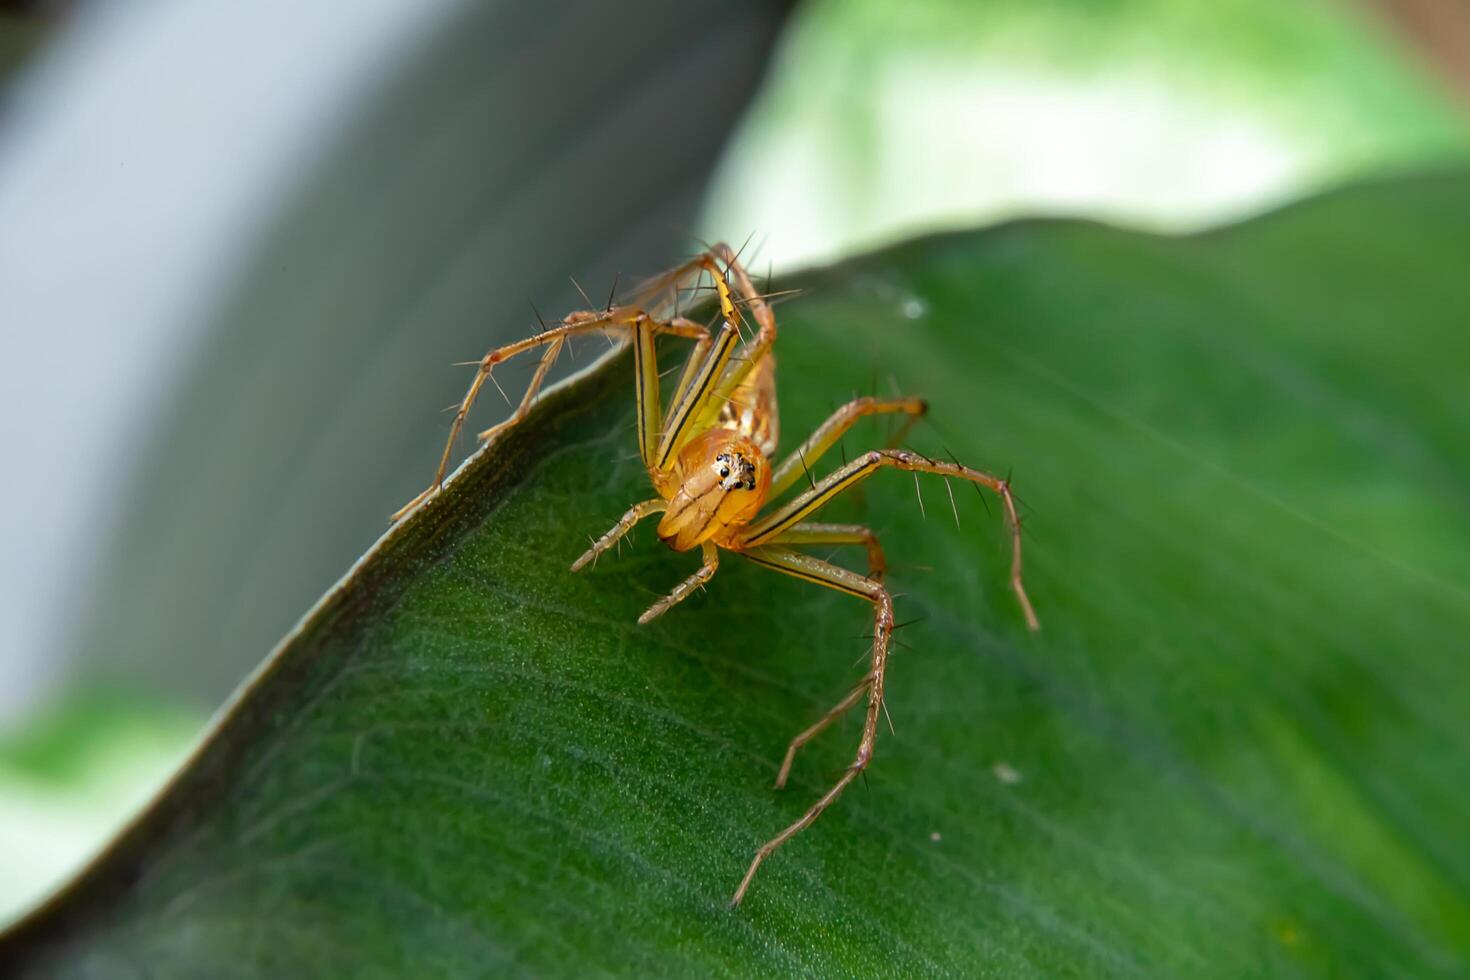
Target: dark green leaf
1237,747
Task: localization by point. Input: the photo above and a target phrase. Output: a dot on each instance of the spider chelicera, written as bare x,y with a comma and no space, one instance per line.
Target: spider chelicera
711,461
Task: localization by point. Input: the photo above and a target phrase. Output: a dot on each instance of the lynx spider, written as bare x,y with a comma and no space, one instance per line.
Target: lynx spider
711,461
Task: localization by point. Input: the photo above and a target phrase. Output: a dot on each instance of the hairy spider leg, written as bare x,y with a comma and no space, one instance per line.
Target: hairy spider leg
752,353
625,524
752,298
693,395
533,387
628,318
662,291
697,384
686,588
704,390
786,516
645,387
813,533
822,573
643,329
697,355
795,465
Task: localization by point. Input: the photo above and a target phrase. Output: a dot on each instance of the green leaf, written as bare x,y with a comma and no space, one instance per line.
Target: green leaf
1237,747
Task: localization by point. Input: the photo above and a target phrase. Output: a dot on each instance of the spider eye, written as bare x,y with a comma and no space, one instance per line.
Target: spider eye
724,471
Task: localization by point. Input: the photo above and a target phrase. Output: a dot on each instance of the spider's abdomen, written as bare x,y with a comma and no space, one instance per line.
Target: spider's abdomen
717,485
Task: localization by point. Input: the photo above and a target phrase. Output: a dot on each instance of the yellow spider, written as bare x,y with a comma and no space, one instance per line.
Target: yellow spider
711,461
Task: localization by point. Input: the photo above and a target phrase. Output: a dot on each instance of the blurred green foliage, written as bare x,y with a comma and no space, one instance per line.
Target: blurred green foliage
69,779
881,119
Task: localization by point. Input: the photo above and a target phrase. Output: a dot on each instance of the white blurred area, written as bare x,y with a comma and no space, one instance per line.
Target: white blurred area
49,825
169,128
882,122
1015,142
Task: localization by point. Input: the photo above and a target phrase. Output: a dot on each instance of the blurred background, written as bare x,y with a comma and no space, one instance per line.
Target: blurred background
242,244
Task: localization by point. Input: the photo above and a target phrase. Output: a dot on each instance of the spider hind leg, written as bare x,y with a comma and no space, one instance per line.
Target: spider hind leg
852,534
822,573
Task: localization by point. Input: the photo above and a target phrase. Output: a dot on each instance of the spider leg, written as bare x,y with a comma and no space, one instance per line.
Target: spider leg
625,524
662,291
619,318
644,330
786,516
816,728
827,434
697,356
683,590
753,351
815,570
645,385
811,532
752,298
553,351
704,389
697,385
831,534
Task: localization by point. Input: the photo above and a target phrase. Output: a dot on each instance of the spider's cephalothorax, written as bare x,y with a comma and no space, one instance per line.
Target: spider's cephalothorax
715,487
709,457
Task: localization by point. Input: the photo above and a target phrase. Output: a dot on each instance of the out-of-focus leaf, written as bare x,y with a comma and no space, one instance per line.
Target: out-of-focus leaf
1237,747
881,118
67,781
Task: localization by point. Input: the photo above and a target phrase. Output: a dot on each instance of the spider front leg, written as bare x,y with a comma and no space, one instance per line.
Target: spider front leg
686,588
784,518
709,379
625,524
815,570
702,374
752,352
